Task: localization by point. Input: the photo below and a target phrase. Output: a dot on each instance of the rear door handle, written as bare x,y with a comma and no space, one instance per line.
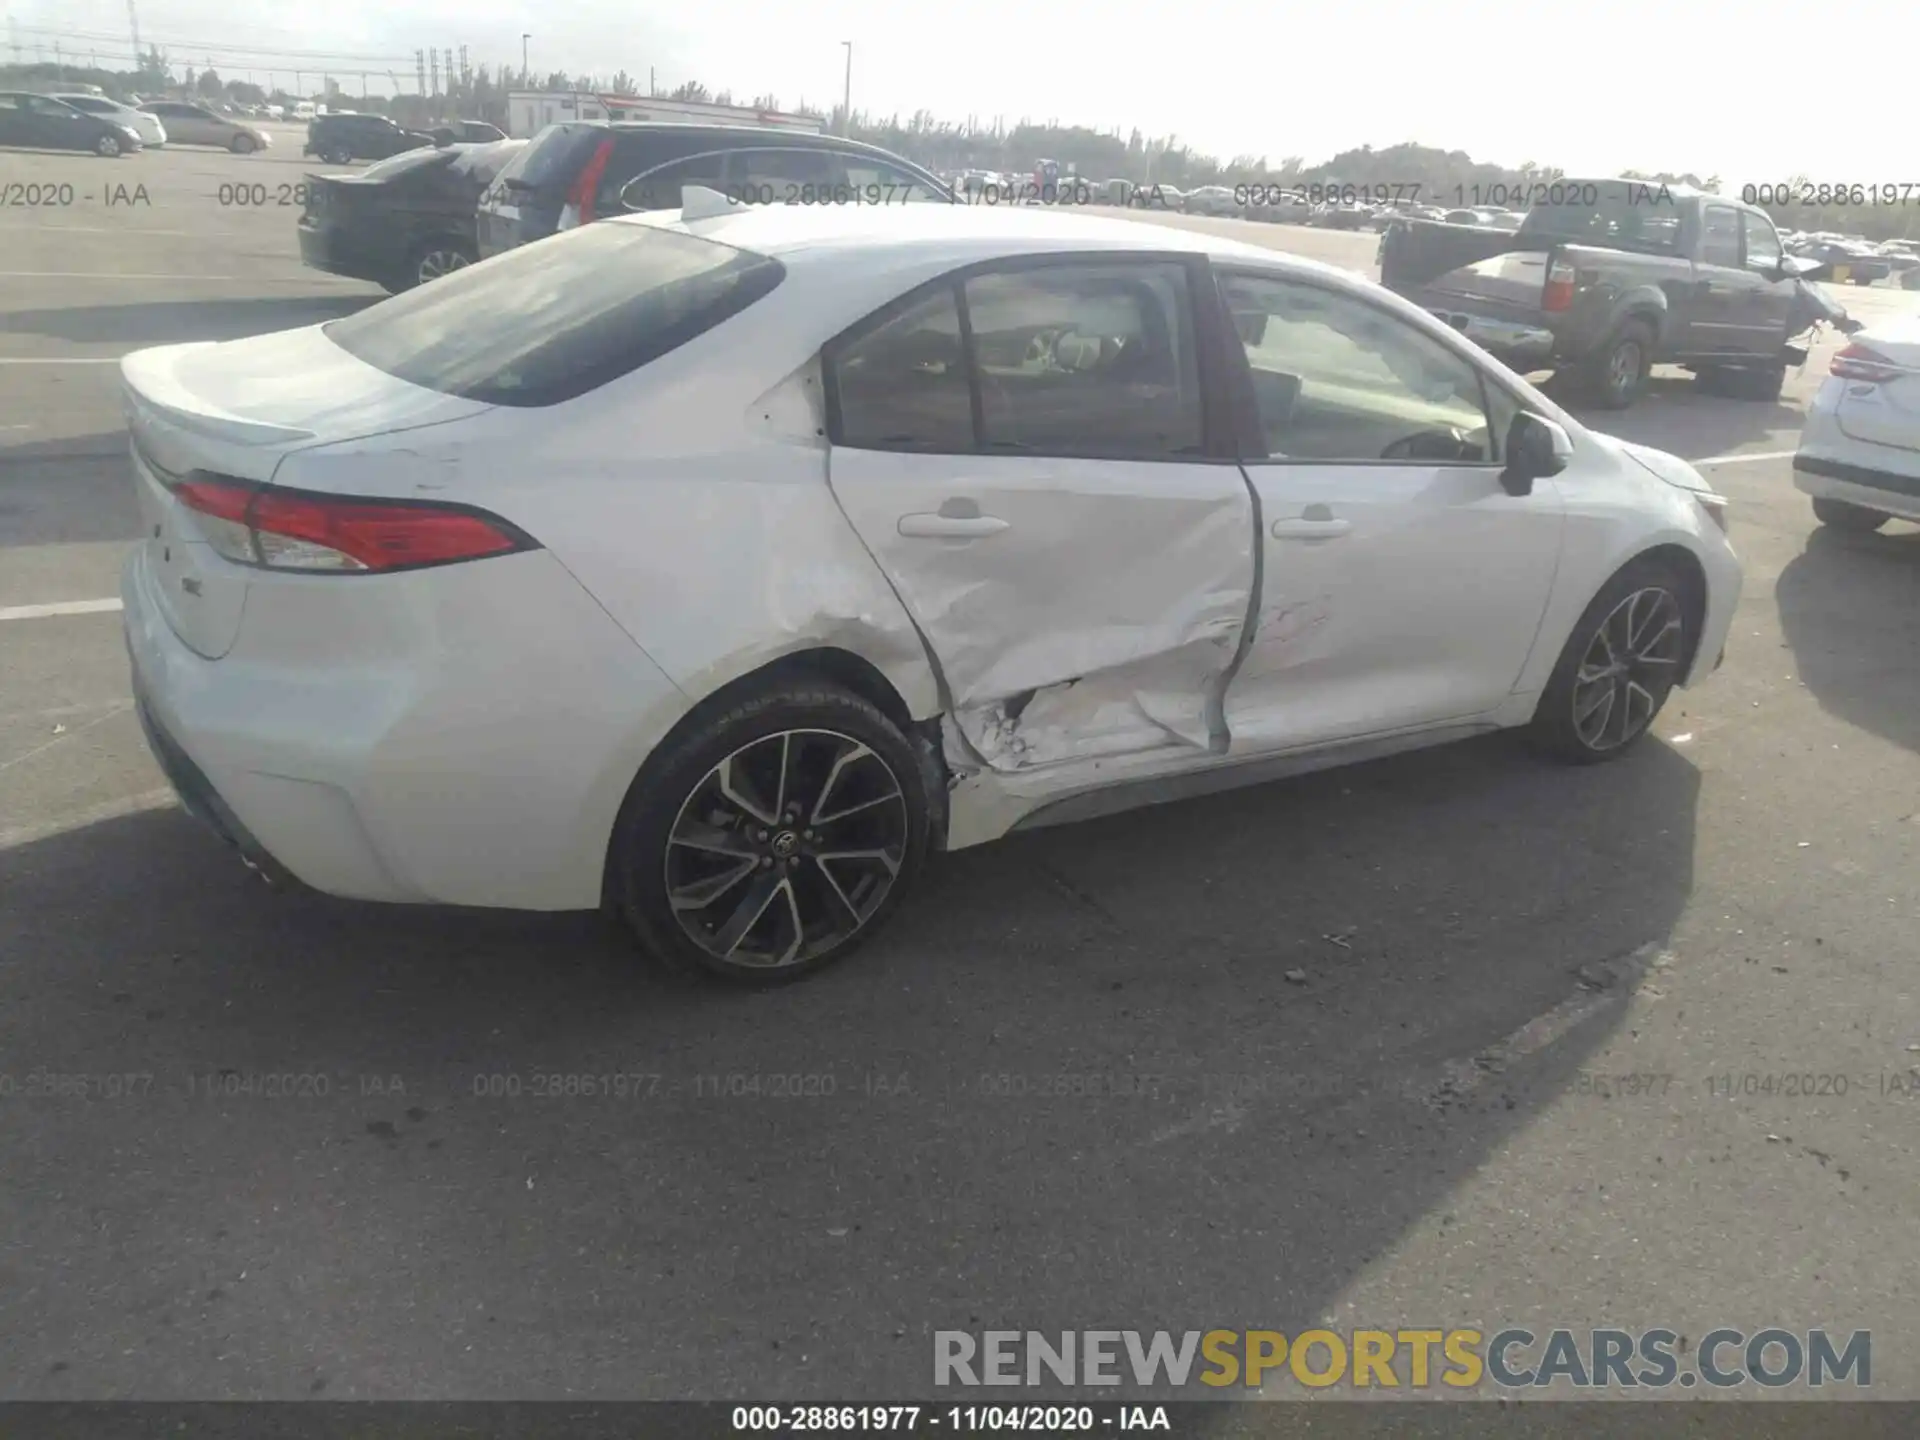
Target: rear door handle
1310,529
928,525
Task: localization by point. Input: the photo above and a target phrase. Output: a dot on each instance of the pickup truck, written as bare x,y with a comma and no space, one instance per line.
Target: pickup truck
1606,278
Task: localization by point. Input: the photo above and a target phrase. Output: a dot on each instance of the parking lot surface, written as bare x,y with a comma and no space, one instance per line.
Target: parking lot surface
1342,1048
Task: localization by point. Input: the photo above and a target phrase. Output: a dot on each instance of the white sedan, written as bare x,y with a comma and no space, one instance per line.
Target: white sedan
148,127
1859,452
718,565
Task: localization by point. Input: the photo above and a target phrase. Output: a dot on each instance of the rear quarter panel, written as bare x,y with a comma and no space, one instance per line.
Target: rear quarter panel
689,498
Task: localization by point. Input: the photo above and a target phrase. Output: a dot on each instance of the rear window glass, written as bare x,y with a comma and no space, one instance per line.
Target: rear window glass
551,154
404,161
554,320
484,162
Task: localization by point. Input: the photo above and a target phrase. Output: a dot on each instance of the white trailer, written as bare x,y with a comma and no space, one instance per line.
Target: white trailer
531,111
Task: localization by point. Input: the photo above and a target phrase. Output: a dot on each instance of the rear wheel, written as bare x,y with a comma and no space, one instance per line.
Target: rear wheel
434,259
337,156
1855,519
1616,373
1746,382
1910,279
243,145
1620,664
774,839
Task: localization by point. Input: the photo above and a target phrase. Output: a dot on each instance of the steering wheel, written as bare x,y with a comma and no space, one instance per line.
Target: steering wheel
1452,443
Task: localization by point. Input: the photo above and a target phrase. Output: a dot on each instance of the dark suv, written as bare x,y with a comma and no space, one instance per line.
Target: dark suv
338,139
582,171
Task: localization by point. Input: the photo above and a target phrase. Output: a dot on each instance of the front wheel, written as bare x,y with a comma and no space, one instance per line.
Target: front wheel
108,147
1855,519
338,157
773,839
1620,664
242,145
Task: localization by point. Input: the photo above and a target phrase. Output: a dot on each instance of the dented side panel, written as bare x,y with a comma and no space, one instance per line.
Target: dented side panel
1086,608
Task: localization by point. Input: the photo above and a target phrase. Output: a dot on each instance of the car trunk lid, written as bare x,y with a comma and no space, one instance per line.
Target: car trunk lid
236,410
1880,398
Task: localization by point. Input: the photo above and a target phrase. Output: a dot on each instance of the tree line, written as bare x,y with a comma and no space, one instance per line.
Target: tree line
1440,177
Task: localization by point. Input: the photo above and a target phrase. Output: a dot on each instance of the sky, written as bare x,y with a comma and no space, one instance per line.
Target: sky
1675,85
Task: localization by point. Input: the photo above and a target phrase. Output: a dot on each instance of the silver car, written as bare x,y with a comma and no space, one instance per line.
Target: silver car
147,127
189,124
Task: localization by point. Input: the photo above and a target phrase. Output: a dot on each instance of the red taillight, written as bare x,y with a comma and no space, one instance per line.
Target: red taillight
1561,276
1862,362
587,183
331,534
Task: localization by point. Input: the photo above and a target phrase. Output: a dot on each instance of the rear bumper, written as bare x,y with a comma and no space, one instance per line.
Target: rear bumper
199,798
460,736
1859,484
1510,340
333,251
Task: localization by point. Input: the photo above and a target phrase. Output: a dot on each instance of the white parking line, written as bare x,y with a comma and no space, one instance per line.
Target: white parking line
29,360
63,607
1748,459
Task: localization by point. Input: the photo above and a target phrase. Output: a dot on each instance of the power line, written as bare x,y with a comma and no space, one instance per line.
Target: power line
94,36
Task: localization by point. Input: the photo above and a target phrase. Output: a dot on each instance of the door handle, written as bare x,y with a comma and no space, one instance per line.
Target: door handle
931,526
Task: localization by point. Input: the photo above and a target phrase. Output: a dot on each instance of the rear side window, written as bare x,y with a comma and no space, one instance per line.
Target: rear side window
1095,359
549,322
902,385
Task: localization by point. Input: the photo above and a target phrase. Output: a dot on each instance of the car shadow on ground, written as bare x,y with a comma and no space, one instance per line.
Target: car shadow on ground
66,492
1194,1066
1847,607
177,322
1678,415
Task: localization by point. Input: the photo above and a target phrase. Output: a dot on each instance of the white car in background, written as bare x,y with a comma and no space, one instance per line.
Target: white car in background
148,127
717,566
1859,453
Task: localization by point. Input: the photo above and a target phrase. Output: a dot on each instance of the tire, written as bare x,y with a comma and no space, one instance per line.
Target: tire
433,259
243,145
337,157
1761,383
1644,608
1853,519
1910,279
679,828
108,147
1615,375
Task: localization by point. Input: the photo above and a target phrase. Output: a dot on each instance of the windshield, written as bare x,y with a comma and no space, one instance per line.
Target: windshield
547,322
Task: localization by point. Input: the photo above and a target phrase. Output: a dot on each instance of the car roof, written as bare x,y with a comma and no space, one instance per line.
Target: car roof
875,238
737,134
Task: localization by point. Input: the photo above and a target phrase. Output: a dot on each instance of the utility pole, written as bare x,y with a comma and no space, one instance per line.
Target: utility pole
526,76
846,102
133,24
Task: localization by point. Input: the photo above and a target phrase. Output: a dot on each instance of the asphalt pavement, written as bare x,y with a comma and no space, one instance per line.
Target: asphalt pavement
1344,1048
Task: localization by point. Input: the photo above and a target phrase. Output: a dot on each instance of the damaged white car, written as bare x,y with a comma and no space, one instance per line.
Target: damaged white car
717,566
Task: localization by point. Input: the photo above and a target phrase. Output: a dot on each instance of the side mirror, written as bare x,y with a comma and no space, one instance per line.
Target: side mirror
1536,449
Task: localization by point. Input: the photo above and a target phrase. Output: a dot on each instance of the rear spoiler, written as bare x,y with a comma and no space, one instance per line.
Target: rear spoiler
148,384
